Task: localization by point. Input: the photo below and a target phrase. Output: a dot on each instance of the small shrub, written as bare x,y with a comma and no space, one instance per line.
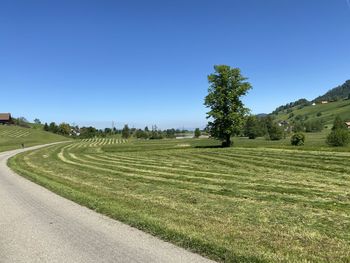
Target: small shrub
298,139
319,114
338,137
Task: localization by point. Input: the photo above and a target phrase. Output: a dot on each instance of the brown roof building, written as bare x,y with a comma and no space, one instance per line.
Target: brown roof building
5,118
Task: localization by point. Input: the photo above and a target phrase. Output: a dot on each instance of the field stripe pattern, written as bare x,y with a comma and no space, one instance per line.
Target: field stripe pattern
234,205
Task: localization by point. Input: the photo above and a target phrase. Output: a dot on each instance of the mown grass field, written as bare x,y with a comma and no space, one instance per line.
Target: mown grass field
240,204
314,142
12,137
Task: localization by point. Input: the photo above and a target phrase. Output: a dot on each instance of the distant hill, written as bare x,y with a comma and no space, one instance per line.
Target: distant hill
338,93
337,104
325,112
299,103
11,137
261,115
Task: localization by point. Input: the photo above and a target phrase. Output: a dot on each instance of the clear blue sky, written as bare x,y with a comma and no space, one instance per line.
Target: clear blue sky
146,62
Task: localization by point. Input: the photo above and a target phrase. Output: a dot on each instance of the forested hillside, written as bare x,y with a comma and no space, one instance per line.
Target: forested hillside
340,92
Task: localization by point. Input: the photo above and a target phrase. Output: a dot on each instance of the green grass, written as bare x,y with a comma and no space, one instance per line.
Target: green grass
314,141
240,204
11,137
329,111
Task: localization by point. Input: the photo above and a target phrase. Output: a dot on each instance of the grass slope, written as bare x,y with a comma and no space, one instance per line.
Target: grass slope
234,204
11,137
329,111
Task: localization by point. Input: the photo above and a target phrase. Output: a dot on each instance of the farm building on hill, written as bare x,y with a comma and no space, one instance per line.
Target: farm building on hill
348,124
5,118
324,102
283,123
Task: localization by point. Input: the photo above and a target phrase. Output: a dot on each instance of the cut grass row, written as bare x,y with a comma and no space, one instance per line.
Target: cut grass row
14,134
232,205
94,142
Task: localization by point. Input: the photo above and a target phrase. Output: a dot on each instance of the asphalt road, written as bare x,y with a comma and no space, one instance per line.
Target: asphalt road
37,225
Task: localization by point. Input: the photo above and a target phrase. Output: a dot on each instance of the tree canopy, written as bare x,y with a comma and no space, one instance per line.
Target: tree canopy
227,111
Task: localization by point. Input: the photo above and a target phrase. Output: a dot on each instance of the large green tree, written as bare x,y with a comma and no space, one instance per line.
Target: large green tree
227,111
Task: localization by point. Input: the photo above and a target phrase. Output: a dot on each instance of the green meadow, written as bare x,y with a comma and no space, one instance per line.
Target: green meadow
12,137
325,112
259,201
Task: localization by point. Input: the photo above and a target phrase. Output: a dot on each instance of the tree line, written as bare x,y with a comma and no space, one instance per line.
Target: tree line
126,132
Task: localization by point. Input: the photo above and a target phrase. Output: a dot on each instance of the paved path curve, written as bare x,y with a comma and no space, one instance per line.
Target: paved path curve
37,225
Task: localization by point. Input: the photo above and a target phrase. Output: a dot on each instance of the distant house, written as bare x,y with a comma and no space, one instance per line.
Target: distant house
324,102
283,123
348,124
5,118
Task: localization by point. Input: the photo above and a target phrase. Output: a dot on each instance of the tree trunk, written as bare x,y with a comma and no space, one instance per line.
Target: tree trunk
227,142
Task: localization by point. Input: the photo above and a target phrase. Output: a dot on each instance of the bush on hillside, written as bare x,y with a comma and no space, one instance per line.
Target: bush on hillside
339,124
298,139
338,137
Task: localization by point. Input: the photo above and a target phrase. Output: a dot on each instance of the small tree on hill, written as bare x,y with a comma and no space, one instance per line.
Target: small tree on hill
37,121
53,127
227,111
126,131
46,127
339,135
64,129
338,138
197,133
338,123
